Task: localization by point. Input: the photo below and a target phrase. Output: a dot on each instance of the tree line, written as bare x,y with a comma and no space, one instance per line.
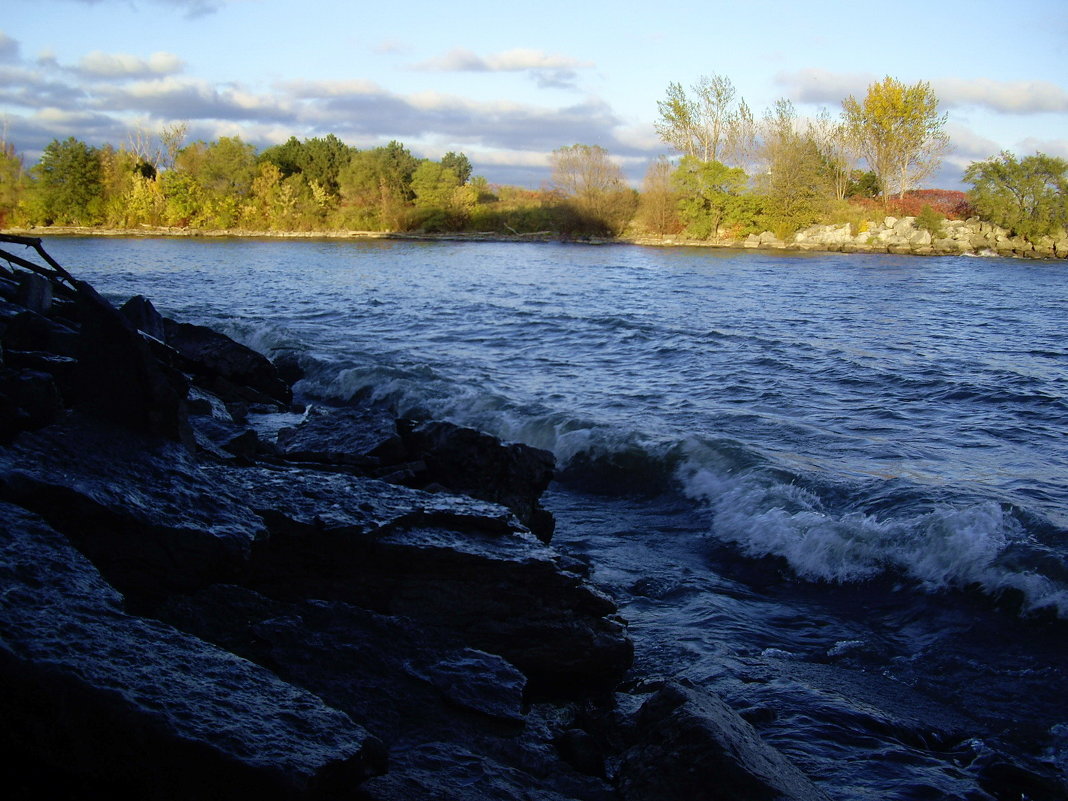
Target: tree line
734,173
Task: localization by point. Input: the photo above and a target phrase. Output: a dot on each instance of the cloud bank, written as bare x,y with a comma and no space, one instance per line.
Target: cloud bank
105,95
1005,97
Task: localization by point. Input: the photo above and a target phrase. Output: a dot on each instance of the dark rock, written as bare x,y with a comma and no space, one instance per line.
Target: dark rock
406,681
141,709
118,378
364,436
445,771
61,368
453,563
141,509
434,456
34,292
581,750
228,366
144,317
21,329
473,463
28,400
693,747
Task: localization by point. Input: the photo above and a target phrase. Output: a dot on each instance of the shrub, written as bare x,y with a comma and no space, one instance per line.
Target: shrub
931,221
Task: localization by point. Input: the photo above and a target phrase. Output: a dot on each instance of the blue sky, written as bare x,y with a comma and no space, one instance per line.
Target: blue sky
508,83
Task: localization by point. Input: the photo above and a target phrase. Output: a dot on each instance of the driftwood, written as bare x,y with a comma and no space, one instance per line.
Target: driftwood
54,271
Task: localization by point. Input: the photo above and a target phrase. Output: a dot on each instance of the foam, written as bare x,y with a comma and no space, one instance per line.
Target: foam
948,547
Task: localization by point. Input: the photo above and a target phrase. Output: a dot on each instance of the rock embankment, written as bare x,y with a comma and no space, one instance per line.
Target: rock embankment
900,235
200,598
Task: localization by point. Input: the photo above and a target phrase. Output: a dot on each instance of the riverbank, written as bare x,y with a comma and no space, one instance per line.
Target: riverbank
899,236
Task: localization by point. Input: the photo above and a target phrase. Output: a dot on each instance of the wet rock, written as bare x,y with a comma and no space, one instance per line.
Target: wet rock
446,771
691,746
402,679
118,378
453,563
364,436
473,463
28,400
139,708
144,317
227,367
428,455
141,509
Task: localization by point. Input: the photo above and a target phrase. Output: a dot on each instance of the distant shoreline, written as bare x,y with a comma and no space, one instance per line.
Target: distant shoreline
761,243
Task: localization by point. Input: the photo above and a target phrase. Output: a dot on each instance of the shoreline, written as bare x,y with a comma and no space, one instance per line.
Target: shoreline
766,242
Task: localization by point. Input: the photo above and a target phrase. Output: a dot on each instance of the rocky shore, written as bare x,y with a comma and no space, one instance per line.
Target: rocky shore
900,235
210,589
897,235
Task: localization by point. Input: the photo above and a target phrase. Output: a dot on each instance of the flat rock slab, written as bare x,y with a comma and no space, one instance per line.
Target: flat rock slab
141,509
139,705
449,561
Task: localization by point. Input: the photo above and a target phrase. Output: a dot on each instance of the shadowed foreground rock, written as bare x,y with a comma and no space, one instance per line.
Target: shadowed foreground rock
691,746
136,705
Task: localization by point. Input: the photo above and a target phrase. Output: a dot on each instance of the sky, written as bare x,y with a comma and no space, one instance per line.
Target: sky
507,83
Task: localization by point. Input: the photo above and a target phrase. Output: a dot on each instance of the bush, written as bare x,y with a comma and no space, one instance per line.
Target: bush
930,221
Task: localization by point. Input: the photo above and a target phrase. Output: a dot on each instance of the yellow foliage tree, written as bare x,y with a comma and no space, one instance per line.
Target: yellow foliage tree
898,131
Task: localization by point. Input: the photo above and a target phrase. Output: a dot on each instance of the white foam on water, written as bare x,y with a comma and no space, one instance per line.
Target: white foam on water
948,547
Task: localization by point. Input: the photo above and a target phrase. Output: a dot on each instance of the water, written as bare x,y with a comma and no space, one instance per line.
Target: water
830,487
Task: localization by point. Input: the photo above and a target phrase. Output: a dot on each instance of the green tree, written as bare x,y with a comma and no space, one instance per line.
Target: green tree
68,185
1028,196
711,195
459,164
434,185
798,180
376,185
228,167
898,131
12,183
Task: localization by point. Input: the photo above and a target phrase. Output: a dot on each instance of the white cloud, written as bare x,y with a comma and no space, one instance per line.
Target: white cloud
548,69
1007,97
1051,147
124,66
821,86
969,146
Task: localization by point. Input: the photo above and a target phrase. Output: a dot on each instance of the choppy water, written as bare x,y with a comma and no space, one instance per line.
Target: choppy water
833,488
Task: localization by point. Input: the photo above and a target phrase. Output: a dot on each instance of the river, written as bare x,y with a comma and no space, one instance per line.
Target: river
832,488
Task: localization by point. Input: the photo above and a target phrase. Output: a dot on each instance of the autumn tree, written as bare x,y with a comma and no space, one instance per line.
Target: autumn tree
837,149
1028,196
658,206
707,124
797,180
898,131
594,185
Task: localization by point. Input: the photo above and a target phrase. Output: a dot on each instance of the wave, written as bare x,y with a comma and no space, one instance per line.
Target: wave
964,546
924,536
